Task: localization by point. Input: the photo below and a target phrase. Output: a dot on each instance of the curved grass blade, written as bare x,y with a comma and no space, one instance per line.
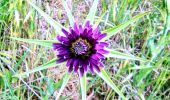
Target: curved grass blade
116,29
83,86
107,79
91,14
46,43
65,81
69,14
49,64
117,54
57,26
100,19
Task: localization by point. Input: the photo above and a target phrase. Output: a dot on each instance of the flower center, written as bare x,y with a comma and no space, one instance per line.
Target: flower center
80,47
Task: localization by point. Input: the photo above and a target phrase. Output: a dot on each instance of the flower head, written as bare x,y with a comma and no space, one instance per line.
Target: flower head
81,48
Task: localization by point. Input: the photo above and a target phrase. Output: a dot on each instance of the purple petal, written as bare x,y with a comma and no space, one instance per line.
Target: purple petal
101,64
99,55
95,31
63,40
62,52
94,64
102,51
98,46
61,60
81,72
66,56
93,61
76,69
70,69
76,28
76,62
85,64
74,34
89,33
96,67
87,24
91,69
65,32
103,44
56,45
80,28
69,62
102,36
96,35
84,33
62,48
85,67
95,57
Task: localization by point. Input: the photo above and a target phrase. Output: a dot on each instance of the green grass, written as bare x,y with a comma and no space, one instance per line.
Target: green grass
145,38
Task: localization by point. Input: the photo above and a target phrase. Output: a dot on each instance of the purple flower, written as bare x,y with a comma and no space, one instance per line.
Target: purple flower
81,48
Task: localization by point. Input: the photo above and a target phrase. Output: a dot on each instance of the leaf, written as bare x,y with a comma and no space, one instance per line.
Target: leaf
69,14
57,26
46,43
117,54
83,86
107,79
91,14
49,64
112,31
65,81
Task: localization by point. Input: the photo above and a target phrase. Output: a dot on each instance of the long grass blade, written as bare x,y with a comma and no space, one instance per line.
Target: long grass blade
49,64
116,29
99,19
83,86
91,14
69,14
46,43
107,79
116,54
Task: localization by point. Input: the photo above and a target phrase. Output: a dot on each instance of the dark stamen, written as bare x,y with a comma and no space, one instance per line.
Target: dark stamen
80,47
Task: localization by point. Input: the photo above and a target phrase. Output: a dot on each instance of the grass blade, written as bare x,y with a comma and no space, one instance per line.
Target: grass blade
107,79
99,19
46,43
116,29
69,14
49,64
117,54
65,81
92,12
57,26
83,86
